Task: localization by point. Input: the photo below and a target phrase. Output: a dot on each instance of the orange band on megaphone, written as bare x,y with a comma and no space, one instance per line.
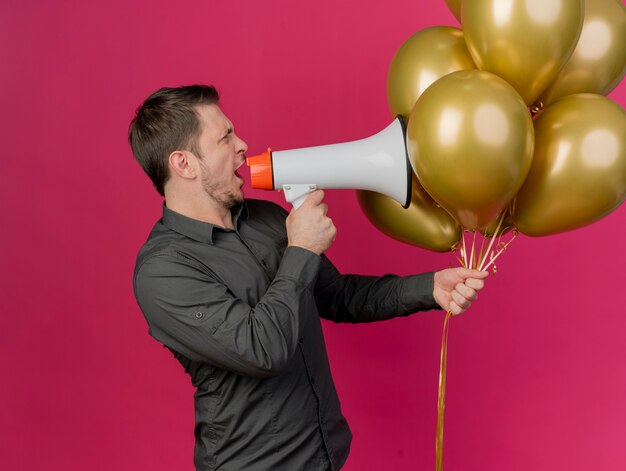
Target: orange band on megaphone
261,174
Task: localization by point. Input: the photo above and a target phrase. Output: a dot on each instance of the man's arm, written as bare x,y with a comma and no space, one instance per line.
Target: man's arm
356,298
192,312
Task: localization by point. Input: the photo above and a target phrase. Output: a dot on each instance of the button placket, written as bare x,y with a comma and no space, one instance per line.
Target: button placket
260,260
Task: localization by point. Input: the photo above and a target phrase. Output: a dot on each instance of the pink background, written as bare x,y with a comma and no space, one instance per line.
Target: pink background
536,376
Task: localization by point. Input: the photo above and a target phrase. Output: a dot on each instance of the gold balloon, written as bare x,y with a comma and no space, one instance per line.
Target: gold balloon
578,174
470,141
425,57
423,223
455,8
599,60
526,42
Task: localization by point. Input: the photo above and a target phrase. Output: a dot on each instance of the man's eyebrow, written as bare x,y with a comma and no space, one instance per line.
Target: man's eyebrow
228,132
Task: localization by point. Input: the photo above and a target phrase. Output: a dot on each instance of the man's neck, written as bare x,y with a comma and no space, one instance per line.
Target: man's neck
203,211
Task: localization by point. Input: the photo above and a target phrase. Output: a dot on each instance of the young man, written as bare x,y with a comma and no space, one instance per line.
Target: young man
236,288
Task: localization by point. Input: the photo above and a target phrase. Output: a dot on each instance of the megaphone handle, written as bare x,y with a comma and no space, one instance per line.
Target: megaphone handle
296,194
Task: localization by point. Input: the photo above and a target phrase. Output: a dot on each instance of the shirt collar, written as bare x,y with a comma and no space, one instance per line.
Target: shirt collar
199,230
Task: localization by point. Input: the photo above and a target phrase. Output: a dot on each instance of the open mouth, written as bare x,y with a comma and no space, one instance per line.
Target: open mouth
237,173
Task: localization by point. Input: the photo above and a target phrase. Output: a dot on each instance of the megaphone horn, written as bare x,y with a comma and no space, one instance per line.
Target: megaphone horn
378,163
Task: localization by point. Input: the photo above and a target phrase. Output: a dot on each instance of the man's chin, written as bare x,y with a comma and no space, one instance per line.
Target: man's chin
226,199
233,199
239,196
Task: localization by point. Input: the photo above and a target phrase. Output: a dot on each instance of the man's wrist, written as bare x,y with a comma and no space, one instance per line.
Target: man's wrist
418,292
300,264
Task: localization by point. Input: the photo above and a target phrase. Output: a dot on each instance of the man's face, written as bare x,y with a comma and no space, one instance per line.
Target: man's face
221,154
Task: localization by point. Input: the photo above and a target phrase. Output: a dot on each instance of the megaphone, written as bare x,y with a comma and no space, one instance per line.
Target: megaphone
378,163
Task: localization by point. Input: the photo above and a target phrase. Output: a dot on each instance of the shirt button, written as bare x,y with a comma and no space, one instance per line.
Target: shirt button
301,340
312,380
199,315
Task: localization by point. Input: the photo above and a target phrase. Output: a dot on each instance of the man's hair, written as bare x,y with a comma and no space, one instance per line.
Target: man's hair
165,122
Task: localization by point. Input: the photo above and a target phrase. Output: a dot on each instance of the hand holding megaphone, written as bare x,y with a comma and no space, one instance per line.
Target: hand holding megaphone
308,226
378,163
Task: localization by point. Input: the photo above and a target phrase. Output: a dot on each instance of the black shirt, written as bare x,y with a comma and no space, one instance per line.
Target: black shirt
241,312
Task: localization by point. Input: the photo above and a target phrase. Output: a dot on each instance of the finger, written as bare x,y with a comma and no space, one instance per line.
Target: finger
324,208
475,284
460,300
467,273
455,308
315,197
466,291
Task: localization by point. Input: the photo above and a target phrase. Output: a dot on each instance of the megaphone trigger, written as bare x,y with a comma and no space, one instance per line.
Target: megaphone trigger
296,194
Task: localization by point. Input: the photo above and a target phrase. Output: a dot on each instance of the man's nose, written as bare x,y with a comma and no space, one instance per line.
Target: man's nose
241,145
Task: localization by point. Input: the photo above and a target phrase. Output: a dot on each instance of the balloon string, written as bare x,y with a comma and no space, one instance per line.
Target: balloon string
464,250
441,398
480,265
481,254
441,401
477,262
471,262
502,249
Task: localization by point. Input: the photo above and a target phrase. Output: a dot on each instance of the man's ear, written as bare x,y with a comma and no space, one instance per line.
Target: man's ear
183,164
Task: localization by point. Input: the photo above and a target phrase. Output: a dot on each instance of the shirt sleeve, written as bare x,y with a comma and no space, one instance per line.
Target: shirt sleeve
357,298
193,313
